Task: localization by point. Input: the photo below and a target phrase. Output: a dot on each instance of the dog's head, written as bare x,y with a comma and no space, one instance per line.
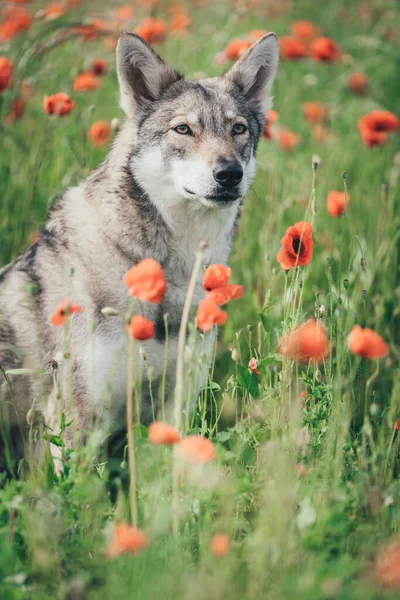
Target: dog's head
195,140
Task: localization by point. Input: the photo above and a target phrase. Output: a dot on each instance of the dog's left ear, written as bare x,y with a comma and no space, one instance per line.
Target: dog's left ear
255,71
142,74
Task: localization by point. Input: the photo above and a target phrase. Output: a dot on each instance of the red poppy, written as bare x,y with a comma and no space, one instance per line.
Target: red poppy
126,540
397,426
367,343
253,366
314,112
358,83
139,328
219,544
86,81
387,566
59,104
223,294
291,48
6,69
375,126
288,140
216,276
297,246
307,342
180,22
196,449
236,48
100,133
208,314
272,117
257,34
304,30
54,11
17,19
63,311
17,110
99,66
124,13
152,30
324,49
146,281
162,433
335,204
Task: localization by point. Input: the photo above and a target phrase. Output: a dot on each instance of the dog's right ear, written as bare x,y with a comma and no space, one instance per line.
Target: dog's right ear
142,74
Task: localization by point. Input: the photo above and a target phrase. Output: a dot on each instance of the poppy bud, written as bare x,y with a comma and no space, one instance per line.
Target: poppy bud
329,260
364,294
363,263
346,284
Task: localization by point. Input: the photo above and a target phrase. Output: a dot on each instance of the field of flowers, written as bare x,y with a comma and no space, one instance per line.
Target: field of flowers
284,482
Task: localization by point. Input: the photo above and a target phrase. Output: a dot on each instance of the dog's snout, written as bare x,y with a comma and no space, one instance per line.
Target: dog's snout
228,174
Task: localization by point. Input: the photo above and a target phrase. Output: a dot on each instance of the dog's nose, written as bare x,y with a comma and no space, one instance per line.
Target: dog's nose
228,174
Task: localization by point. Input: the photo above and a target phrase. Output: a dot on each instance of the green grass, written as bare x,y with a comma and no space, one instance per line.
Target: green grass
293,536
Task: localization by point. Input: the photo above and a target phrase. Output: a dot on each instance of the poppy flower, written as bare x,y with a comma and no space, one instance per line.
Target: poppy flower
253,366
17,110
219,544
208,314
288,140
126,540
305,30
17,19
54,11
59,104
162,433
124,13
257,34
196,449
367,343
323,49
99,66
375,126
180,21
272,117
63,311
335,204
236,48
358,83
223,294
152,30
139,328
314,112
100,133
307,342
397,426
387,565
297,246
291,48
146,281
216,276
86,81
6,69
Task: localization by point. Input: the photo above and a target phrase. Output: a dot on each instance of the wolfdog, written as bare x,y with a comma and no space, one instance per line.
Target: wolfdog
175,176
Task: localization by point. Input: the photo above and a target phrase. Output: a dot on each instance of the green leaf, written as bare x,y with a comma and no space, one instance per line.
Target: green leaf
264,320
53,439
247,380
25,372
223,436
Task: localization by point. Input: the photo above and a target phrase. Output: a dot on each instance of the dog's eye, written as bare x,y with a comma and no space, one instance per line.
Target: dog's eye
183,129
239,128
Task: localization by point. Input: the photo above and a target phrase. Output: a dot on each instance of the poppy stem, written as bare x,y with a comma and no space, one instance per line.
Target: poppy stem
131,436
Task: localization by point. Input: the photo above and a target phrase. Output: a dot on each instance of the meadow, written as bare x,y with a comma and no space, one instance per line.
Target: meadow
298,496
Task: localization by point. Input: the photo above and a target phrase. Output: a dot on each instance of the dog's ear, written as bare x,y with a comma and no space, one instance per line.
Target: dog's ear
255,70
142,74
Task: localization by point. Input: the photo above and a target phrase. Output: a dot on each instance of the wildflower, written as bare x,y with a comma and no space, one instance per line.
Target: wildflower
17,19
196,449
375,126
59,104
288,140
139,328
297,246
126,540
305,30
291,48
17,110
236,48
208,314
253,366
272,117
162,433
219,544
323,49
397,426
152,30
387,566
180,21
99,66
216,276
6,69
86,81
257,34
63,311
54,11
307,342
146,281
314,112
335,204
358,83
367,343
223,294
100,133
124,13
